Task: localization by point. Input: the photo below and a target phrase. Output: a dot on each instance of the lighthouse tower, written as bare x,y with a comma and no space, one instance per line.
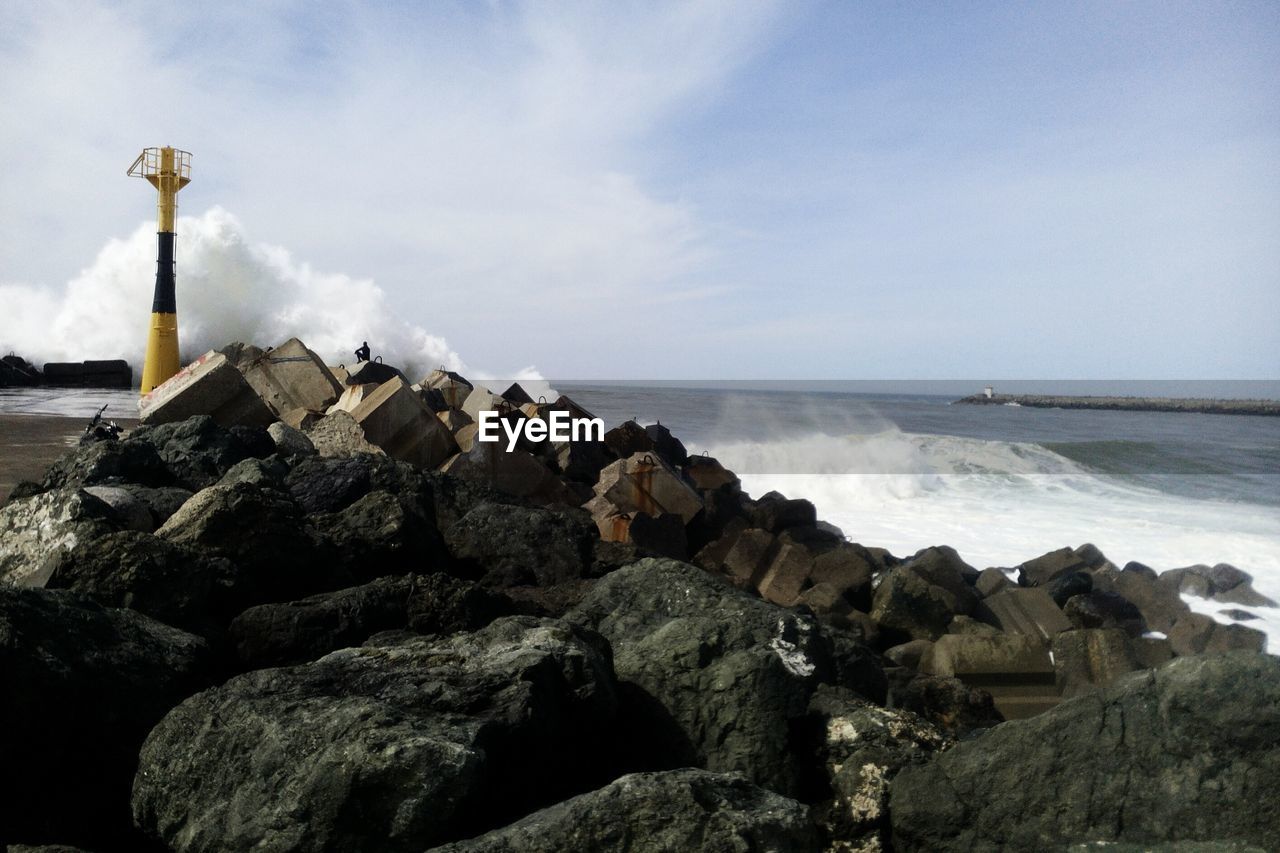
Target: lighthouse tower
168,170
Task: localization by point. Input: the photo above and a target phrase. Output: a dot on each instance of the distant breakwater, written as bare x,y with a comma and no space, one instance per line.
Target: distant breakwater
1130,404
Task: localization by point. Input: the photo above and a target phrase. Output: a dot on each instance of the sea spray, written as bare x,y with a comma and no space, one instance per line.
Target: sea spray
229,288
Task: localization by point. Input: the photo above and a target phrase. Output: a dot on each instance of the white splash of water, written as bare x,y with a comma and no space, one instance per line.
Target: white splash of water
229,288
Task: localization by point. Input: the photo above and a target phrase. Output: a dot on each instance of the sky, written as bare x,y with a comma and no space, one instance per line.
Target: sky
726,190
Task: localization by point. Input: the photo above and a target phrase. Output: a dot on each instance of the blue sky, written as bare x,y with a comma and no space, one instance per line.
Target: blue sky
710,190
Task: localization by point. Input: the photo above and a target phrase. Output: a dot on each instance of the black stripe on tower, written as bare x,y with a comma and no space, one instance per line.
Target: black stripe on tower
166,300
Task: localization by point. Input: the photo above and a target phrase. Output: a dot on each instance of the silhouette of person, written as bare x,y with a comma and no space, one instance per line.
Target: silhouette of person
362,354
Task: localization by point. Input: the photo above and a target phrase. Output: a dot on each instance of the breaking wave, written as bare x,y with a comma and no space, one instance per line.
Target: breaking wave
229,288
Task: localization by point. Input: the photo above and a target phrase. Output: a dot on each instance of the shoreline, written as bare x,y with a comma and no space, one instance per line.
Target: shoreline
1188,405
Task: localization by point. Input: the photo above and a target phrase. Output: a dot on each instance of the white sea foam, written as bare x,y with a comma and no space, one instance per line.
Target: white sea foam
1000,503
229,288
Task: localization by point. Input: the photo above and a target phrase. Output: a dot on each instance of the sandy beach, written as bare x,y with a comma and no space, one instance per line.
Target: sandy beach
30,443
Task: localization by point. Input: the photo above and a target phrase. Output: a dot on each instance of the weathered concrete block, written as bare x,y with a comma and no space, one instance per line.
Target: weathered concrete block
991,581
1014,669
750,556
964,655
210,385
707,473
373,372
351,397
1048,566
292,377
1028,611
395,418
452,386
644,483
786,575
454,420
1087,659
338,434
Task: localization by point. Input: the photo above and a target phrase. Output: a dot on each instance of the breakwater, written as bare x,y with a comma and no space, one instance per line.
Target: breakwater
1130,404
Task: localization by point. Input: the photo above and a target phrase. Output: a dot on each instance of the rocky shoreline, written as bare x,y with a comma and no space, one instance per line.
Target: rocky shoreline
303,609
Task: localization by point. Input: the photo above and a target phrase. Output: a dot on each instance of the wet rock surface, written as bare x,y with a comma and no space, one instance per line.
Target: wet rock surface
1129,763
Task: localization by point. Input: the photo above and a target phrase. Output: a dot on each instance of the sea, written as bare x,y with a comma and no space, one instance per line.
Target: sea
903,466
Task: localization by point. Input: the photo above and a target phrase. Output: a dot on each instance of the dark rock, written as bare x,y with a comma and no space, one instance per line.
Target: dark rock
551,602
255,439
716,676
181,585
948,703
1105,610
517,546
1127,763
299,631
441,604
673,811
1085,660
1061,589
108,462
278,554
394,748
1151,652
80,687
775,513
382,534
1092,556
660,536
1046,567
1141,569
667,445
197,451
269,472
860,748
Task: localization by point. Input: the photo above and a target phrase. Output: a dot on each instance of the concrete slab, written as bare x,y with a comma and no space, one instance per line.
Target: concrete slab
292,377
452,386
210,385
395,418
375,372
1023,610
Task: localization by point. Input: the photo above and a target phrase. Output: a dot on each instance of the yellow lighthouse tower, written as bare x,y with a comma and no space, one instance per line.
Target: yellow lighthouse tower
168,170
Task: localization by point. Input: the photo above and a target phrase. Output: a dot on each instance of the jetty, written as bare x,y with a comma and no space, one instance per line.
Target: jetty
1199,405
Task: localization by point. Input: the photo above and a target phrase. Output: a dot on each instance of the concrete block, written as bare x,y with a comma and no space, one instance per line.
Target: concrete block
210,385
706,473
338,434
292,377
991,581
1088,659
614,526
452,386
974,655
454,420
374,372
1048,566
750,556
351,397
395,418
786,575
517,395
1020,610
644,483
